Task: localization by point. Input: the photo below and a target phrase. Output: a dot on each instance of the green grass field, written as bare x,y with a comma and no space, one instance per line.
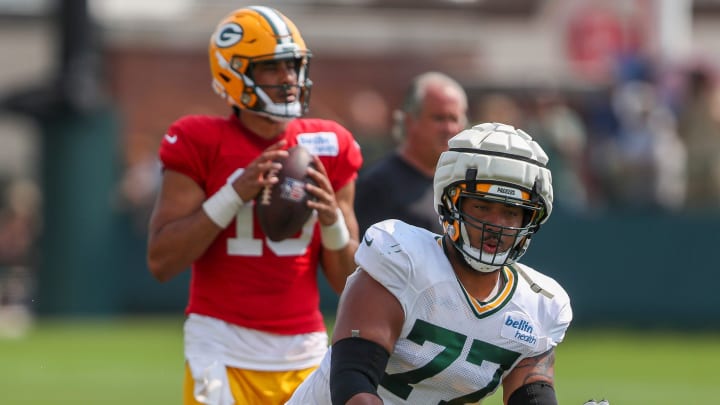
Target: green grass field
139,361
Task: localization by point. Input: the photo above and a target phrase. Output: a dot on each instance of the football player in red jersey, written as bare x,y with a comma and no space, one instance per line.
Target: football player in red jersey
253,329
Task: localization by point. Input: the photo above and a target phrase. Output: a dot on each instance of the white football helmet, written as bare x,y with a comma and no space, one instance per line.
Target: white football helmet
498,163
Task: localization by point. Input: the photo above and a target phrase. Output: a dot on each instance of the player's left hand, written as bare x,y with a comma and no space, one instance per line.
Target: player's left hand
324,203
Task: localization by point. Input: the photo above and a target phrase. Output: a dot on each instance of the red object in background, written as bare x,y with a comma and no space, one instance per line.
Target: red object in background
595,38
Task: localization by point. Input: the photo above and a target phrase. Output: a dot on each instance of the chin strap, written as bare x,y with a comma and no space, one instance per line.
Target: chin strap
533,285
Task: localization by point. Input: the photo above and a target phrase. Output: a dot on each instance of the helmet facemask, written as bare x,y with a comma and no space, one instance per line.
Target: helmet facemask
257,97
500,244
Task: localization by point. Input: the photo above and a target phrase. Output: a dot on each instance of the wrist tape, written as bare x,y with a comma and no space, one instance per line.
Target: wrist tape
335,236
222,206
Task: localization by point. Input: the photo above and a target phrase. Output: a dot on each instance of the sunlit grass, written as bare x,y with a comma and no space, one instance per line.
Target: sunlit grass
123,361
140,361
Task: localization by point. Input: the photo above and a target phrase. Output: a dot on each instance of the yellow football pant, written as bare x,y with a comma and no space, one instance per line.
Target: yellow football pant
254,387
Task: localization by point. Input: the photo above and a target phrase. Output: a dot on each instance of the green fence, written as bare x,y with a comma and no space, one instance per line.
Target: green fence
634,268
640,268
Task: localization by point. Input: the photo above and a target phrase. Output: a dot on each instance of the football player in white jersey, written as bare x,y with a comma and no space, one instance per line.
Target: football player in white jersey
447,319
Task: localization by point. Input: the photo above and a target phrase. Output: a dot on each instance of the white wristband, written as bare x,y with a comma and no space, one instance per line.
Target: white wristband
222,206
335,236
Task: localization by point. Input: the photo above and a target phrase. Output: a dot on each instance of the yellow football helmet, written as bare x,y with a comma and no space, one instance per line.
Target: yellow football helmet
248,36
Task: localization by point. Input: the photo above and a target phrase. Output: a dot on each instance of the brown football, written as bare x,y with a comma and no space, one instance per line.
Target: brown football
282,209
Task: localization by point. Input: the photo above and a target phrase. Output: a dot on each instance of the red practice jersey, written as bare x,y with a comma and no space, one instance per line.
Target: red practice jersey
243,277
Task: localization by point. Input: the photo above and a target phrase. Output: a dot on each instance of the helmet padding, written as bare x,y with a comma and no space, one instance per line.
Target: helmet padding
498,163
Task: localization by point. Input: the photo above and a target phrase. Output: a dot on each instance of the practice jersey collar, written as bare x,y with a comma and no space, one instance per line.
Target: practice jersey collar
482,309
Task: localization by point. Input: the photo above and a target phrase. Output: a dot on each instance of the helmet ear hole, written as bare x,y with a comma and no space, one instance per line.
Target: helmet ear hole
444,213
248,99
453,230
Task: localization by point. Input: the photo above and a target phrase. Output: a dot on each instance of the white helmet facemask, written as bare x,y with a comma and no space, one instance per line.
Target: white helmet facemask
281,111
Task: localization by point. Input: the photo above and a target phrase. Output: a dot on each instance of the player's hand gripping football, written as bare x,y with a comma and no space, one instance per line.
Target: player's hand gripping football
324,202
256,174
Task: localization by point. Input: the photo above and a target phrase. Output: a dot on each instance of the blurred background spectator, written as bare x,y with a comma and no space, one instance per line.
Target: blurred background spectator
433,110
498,107
700,131
19,229
561,131
646,159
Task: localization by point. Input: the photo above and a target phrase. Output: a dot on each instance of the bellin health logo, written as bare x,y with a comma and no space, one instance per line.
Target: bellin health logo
523,330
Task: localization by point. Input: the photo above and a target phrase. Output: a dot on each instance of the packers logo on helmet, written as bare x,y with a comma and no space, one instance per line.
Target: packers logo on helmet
253,35
228,35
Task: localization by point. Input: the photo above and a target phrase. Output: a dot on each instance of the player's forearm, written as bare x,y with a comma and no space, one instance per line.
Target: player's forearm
339,264
175,246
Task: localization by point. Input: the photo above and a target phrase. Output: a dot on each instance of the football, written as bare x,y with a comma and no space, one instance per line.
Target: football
282,208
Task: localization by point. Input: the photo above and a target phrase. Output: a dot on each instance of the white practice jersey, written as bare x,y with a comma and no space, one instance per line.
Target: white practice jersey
453,349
